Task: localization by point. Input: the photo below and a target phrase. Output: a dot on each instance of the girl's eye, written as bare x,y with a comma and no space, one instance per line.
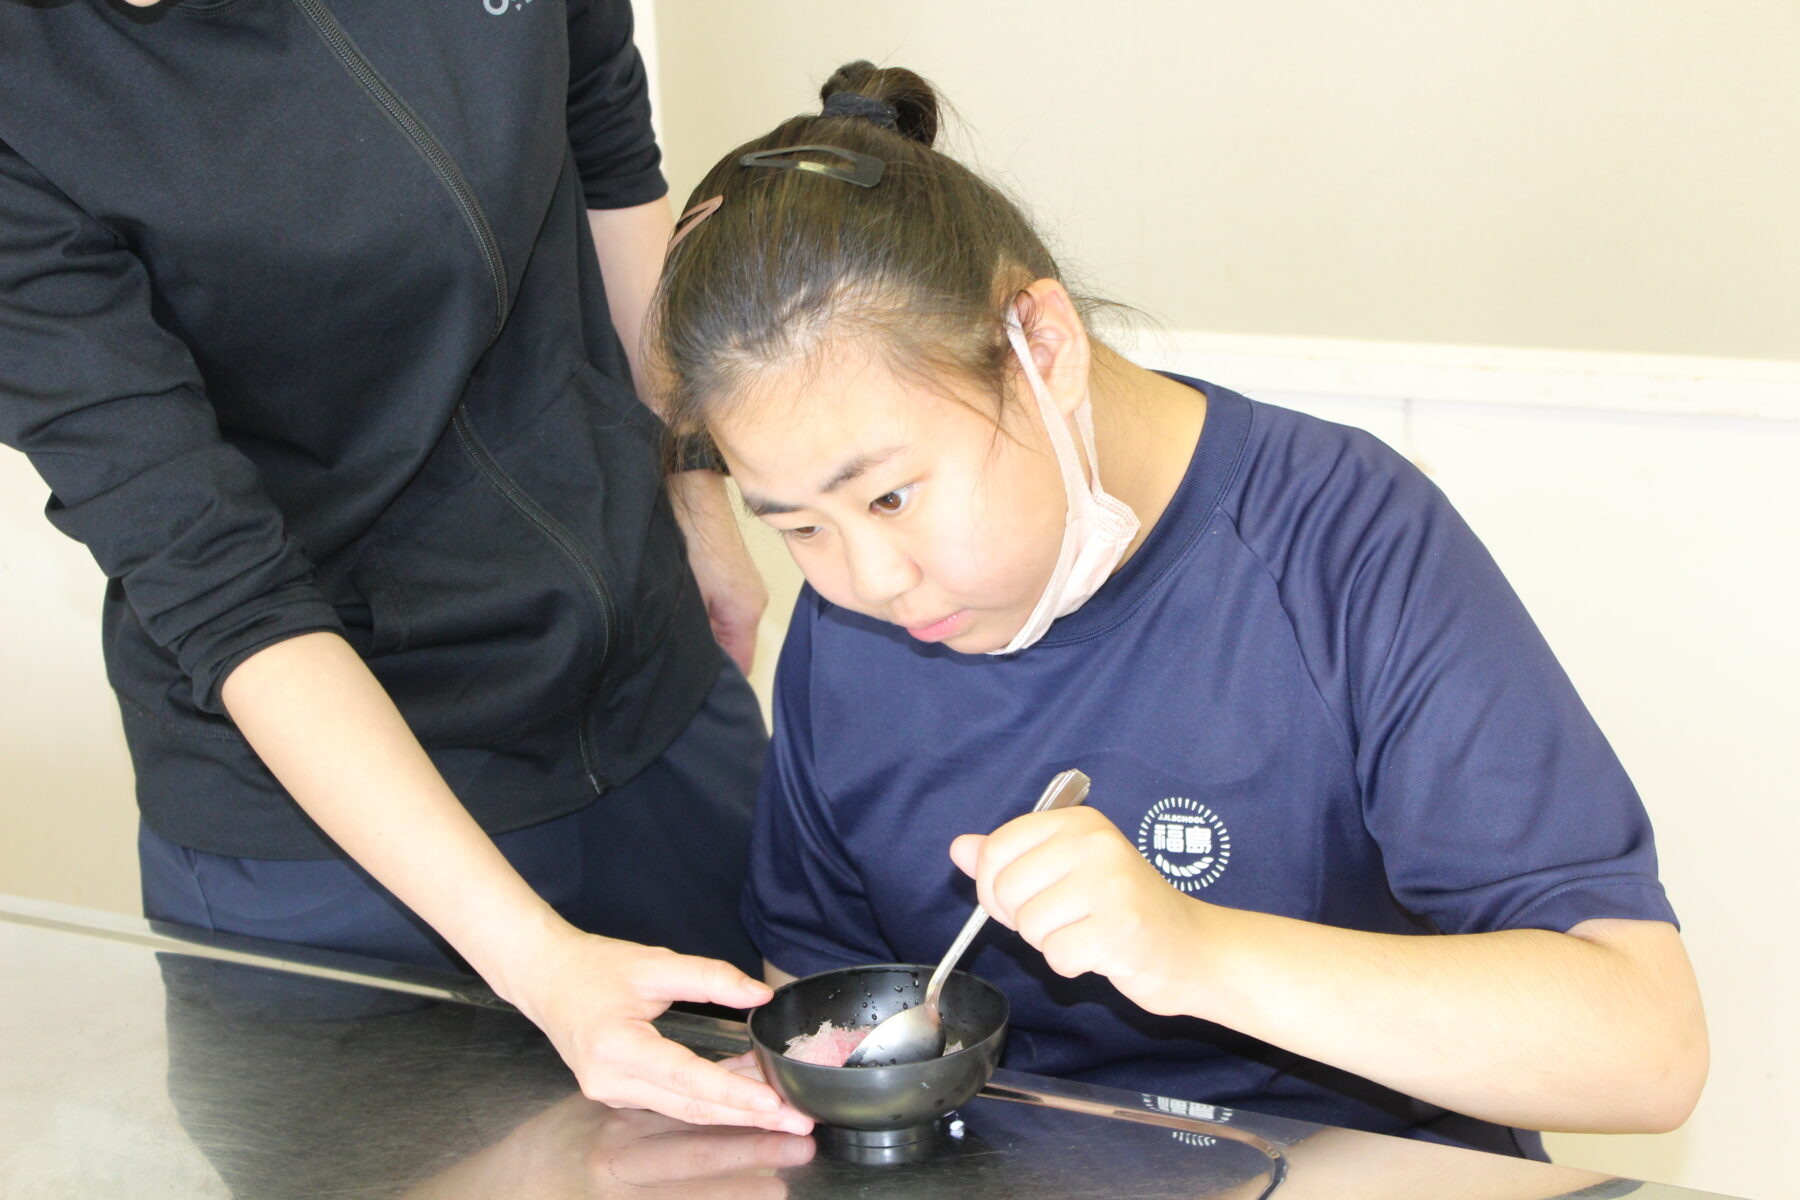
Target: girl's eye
801,534
893,502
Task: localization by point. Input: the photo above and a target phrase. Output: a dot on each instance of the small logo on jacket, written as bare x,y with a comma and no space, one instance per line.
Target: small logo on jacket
499,8
1186,841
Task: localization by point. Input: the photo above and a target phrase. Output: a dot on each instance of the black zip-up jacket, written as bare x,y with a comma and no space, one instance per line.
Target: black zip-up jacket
301,321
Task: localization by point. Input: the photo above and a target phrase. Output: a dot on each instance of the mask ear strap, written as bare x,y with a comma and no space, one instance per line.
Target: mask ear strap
1055,424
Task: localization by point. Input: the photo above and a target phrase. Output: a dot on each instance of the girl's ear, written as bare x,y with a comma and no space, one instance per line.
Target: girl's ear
1057,340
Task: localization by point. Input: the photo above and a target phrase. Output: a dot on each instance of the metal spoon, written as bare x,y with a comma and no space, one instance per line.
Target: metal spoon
917,1033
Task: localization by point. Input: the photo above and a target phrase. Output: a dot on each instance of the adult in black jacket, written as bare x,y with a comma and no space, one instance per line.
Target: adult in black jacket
302,321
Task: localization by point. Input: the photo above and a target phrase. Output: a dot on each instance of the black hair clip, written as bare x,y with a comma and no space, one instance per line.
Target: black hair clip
860,169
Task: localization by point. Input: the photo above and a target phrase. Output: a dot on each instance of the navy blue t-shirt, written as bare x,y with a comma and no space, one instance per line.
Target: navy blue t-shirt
1310,692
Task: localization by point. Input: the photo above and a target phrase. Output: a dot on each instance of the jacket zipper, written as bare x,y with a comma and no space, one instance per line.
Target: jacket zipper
428,146
533,512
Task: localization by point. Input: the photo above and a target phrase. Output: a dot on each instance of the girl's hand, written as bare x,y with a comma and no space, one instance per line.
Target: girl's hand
1072,885
596,997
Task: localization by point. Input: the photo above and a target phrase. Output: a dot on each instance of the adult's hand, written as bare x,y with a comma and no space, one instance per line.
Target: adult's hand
729,582
595,997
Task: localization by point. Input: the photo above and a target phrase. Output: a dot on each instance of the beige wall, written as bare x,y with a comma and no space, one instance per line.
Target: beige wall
1591,174
67,819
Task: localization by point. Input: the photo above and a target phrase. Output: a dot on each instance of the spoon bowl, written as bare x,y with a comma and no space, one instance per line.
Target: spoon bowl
916,1034
911,1035
898,1102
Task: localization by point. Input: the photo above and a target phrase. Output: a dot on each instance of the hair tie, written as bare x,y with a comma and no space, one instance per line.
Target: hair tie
852,104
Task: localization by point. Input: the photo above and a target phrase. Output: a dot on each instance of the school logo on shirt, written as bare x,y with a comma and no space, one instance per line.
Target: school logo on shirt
1186,841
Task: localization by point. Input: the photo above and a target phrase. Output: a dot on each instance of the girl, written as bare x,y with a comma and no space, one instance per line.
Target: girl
1355,852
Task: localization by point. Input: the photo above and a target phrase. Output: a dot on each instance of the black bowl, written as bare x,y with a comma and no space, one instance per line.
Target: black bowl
904,1099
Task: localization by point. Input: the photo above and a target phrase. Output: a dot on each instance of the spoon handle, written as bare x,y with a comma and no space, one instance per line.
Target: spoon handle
1067,789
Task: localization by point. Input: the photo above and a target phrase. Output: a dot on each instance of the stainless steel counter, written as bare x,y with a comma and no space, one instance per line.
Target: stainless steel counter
152,1061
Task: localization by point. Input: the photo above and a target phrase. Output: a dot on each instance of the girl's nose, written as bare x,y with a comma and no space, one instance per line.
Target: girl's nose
879,573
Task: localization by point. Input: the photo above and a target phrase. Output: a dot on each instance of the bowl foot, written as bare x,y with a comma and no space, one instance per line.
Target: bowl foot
882,1137
881,1145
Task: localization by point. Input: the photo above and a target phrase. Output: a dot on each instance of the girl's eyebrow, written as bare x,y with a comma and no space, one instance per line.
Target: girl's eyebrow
761,507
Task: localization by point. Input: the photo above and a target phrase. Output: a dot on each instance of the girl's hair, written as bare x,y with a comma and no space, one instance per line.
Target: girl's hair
927,260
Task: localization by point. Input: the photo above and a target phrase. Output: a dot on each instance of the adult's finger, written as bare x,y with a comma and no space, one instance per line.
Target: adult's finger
705,1113
673,1067
745,1065
686,1111
710,980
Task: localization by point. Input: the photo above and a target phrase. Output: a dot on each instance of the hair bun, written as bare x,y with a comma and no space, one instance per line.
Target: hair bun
914,102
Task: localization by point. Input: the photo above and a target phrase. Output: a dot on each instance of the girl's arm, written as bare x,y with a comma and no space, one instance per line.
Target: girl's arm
1598,1029
322,723
630,243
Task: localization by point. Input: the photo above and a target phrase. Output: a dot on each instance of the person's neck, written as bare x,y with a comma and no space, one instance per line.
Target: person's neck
1146,427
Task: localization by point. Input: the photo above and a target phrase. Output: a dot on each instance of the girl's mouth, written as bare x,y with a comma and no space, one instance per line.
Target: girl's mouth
942,628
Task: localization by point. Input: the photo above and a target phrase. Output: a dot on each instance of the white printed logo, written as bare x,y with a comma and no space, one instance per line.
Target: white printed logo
1186,841
499,8
1192,1109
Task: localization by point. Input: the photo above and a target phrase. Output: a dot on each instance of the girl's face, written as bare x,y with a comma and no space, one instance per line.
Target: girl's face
901,500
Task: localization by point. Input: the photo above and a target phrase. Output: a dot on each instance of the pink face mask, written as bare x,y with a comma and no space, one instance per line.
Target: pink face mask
1097,528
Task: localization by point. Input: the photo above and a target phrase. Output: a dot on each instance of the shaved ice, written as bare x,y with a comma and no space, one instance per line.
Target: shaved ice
828,1045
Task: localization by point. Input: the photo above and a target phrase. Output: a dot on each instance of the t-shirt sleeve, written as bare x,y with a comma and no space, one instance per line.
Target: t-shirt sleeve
111,410
1495,798
609,108
805,905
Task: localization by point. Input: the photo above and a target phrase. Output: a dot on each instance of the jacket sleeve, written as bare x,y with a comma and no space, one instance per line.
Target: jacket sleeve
609,108
111,410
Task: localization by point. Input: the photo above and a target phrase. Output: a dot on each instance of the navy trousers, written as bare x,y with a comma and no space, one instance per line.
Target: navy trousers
658,860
